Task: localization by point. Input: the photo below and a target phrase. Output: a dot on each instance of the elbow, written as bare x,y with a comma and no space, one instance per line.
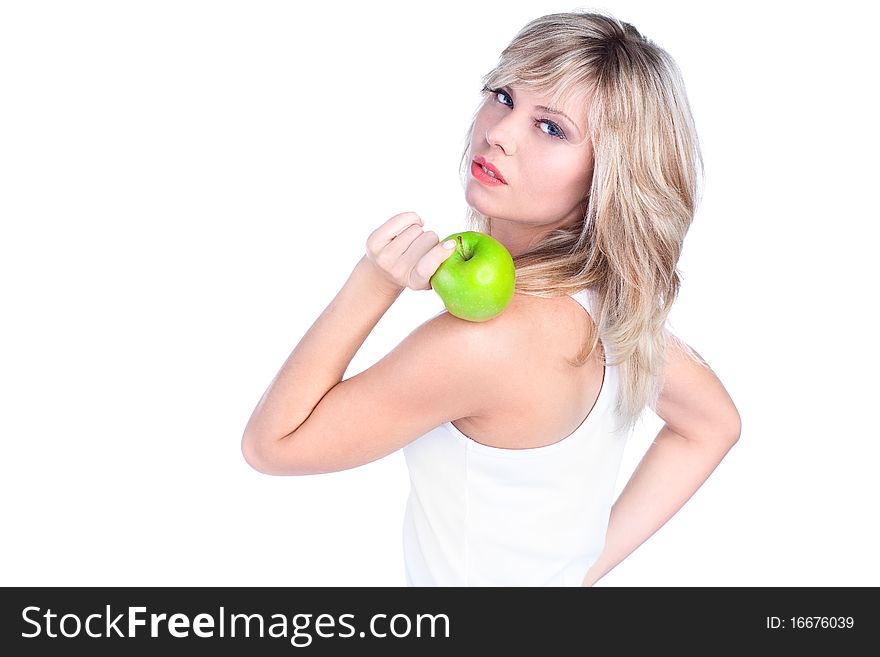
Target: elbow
728,426
728,430
253,455
267,458
721,432
735,426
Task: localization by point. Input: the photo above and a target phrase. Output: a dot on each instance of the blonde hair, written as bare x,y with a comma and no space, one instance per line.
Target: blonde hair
647,177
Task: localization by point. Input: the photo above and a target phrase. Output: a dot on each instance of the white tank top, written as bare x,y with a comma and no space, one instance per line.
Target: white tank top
487,516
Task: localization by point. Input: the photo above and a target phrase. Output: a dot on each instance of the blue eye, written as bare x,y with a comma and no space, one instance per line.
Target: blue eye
560,133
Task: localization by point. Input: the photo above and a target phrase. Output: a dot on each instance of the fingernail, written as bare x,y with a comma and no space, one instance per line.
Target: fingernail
449,244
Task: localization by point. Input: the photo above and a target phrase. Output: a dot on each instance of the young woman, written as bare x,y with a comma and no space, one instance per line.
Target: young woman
513,429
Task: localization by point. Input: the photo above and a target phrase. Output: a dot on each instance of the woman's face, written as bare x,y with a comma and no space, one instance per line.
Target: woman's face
545,159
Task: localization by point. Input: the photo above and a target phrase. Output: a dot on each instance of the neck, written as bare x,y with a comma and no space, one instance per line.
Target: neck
516,238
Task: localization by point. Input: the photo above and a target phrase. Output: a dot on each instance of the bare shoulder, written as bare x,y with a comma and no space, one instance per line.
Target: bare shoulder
493,350
693,401
548,326
536,395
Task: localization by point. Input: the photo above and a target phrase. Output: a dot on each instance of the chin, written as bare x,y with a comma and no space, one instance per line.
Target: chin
477,203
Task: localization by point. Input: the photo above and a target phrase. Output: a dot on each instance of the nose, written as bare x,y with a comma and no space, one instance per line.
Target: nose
498,134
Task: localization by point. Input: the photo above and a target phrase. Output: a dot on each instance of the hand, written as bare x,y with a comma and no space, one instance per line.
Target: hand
403,254
590,578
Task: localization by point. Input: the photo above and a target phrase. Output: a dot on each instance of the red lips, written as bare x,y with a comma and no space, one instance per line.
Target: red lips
479,159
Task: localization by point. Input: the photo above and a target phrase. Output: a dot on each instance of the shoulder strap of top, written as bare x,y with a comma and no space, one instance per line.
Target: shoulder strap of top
584,297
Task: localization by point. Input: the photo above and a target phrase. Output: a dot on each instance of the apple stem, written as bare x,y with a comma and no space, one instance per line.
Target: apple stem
462,247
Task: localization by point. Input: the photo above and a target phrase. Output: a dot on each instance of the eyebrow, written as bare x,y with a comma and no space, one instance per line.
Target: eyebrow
550,110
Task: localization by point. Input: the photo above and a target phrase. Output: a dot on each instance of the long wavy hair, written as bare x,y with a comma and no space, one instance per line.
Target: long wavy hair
645,187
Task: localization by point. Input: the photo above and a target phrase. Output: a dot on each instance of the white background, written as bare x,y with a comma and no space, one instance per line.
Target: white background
184,186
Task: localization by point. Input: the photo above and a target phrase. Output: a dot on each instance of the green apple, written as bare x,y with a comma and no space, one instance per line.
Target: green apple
477,281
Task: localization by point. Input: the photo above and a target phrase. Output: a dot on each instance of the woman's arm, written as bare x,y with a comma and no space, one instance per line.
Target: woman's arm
702,424
399,254
320,359
669,473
